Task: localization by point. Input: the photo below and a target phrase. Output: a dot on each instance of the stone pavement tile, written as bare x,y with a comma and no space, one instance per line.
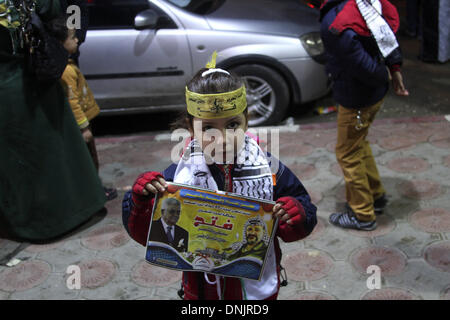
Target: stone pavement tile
446,235
38,248
408,164
338,192
105,237
335,169
446,161
292,290
390,261
4,295
407,239
337,242
70,253
421,189
164,282
167,293
420,278
312,295
304,171
420,133
114,208
343,282
96,272
397,143
293,149
431,220
121,152
441,139
54,288
24,276
320,138
390,294
433,154
120,287
398,207
318,230
307,264
119,175
121,163
445,294
438,255
316,196
378,152
320,157
126,256
326,183
287,247
146,275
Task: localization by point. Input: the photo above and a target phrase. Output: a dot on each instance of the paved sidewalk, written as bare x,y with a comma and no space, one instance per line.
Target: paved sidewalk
411,244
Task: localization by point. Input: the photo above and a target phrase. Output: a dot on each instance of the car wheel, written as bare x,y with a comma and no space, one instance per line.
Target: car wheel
267,94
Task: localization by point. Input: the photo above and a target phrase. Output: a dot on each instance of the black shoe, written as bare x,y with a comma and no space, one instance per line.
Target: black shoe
348,220
410,34
380,204
110,193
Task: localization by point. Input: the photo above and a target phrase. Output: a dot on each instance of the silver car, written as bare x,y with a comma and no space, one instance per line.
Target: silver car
139,54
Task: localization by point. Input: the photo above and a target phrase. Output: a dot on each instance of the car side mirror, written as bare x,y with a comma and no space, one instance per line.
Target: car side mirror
147,19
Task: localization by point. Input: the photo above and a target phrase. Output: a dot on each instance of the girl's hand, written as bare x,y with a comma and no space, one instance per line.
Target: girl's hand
289,210
149,183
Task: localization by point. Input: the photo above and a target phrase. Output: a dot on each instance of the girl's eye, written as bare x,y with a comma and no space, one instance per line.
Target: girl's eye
233,125
206,128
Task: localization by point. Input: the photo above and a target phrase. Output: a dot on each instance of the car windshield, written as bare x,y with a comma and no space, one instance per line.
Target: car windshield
202,7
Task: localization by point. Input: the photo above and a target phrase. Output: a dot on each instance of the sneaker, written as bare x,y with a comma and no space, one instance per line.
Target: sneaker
380,204
348,220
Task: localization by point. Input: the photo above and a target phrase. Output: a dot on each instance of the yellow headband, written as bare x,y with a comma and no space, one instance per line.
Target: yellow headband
216,105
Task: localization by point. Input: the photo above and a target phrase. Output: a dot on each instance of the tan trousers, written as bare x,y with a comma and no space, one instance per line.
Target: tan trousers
353,152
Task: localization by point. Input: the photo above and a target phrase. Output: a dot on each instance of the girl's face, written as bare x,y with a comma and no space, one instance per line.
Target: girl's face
71,43
220,139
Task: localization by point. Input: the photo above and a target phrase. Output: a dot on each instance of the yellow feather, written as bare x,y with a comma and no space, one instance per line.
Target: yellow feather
212,63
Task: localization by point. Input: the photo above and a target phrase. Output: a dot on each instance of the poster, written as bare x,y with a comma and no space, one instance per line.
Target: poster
194,229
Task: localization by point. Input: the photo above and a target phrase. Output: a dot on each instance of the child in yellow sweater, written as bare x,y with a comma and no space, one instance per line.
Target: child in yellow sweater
80,96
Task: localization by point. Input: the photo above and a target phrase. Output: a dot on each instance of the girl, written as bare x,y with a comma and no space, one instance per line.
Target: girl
216,103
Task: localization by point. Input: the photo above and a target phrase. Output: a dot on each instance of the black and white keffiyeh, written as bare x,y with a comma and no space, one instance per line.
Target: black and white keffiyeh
371,11
252,174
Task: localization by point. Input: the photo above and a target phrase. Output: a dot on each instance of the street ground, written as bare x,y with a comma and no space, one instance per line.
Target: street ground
411,246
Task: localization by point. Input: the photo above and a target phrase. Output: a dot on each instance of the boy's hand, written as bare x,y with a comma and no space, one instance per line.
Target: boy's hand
397,84
289,210
148,183
87,135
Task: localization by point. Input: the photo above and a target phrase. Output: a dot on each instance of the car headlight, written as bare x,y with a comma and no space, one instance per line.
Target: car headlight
312,42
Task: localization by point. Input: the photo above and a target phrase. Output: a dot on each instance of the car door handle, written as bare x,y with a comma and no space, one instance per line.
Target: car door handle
201,48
